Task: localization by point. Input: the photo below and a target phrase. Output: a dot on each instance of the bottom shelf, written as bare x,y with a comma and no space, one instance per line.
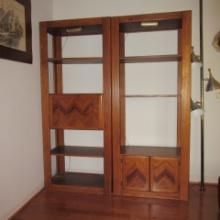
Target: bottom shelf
151,151
79,179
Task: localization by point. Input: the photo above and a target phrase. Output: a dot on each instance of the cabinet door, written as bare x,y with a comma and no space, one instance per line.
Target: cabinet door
135,173
164,174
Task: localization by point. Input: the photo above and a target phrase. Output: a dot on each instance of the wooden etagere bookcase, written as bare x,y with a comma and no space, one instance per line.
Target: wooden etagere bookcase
75,111
129,170
151,171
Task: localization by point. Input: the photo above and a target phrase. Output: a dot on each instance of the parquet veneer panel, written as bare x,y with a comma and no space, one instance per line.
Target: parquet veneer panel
135,173
82,111
164,174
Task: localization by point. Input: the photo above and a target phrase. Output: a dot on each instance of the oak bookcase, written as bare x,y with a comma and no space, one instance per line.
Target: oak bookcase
76,111
129,170
151,171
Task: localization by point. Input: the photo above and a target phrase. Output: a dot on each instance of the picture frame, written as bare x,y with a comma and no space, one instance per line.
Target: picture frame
15,30
216,42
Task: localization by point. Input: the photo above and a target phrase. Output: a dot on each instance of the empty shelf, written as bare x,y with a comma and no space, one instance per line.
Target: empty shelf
76,60
79,179
151,96
151,151
155,58
78,151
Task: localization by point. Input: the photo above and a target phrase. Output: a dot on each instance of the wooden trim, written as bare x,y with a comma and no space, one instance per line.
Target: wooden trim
57,50
72,22
116,106
107,105
185,104
152,17
45,103
179,78
122,89
58,85
77,189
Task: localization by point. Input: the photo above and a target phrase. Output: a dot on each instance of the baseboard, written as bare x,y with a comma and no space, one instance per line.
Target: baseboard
25,203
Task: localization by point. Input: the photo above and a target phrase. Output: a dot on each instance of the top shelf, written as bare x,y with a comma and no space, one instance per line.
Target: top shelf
76,30
168,24
76,60
154,58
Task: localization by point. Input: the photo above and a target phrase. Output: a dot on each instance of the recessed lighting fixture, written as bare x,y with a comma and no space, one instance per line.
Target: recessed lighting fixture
74,30
149,24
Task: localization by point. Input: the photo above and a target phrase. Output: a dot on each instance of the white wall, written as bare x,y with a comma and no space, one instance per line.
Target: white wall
84,8
21,157
212,105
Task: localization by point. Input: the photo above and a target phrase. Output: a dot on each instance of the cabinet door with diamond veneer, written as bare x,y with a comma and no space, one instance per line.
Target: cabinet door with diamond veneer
78,111
135,173
164,174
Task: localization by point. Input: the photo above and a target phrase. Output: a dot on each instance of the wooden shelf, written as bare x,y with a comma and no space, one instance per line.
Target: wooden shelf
74,94
78,151
155,58
151,151
78,179
76,60
151,96
69,30
168,24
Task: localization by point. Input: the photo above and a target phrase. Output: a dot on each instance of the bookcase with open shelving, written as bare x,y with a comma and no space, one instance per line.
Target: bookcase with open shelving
130,168
151,170
75,110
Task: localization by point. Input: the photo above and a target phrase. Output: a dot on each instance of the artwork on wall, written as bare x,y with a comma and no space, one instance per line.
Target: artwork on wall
15,30
216,42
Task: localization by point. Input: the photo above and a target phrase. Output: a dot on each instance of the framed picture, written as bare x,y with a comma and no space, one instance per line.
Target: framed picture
216,42
15,30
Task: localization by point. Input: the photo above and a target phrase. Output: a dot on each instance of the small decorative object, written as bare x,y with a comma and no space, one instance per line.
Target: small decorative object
216,42
194,58
15,30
